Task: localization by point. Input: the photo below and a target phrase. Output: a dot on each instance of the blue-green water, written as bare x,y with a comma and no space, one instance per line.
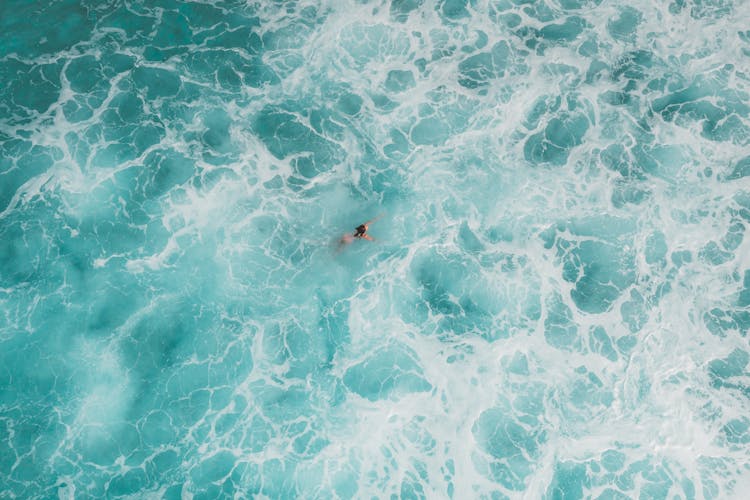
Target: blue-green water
556,304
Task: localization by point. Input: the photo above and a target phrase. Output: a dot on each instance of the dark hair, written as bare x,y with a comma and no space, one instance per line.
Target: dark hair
361,229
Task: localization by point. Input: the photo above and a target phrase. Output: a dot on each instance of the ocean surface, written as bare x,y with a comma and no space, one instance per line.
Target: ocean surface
556,304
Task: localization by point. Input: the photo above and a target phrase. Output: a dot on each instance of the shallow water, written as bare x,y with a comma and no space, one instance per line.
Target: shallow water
556,304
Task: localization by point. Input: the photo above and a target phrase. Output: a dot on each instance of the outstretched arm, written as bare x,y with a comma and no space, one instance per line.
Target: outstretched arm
373,220
368,237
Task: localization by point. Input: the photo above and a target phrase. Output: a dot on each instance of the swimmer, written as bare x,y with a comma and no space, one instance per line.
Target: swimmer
360,232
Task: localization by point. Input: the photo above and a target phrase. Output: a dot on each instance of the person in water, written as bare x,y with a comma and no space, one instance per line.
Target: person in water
360,232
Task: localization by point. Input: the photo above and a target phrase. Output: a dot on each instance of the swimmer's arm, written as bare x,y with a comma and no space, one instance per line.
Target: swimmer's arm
368,237
380,216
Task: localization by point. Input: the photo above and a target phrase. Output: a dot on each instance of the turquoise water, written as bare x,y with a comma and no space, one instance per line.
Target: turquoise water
556,304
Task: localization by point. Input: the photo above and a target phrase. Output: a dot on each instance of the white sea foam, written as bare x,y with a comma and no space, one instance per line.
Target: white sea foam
463,353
